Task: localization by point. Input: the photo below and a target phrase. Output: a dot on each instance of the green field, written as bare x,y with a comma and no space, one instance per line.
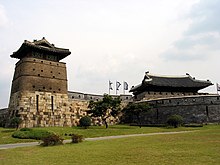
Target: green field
199,147
94,131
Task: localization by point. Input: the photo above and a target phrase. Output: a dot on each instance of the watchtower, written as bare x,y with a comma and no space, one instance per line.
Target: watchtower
39,87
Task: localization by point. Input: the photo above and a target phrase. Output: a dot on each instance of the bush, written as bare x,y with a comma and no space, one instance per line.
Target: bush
85,122
39,134
25,129
52,140
32,134
175,121
21,134
77,138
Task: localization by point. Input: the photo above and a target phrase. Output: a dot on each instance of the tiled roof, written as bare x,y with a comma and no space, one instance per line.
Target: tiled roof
41,45
152,81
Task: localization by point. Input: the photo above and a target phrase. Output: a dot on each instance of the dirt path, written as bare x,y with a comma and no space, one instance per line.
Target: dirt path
16,145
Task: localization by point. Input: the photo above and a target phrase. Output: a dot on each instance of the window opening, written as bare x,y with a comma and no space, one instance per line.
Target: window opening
52,103
37,103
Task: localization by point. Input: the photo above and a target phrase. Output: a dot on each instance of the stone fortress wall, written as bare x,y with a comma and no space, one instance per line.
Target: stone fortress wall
158,95
78,103
194,109
68,109
37,109
3,116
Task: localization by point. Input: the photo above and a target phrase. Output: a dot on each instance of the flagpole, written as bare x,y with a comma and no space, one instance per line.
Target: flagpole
116,87
123,87
109,87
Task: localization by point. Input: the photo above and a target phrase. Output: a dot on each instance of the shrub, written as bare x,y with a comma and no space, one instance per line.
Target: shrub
25,129
85,122
175,121
77,138
32,134
39,134
52,140
21,135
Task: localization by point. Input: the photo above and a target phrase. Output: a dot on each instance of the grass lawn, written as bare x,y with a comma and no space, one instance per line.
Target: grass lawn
6,138
94,131
199,147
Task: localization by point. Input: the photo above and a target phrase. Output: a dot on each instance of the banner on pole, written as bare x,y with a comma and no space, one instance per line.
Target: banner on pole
118,84
218,86
110,85
125,85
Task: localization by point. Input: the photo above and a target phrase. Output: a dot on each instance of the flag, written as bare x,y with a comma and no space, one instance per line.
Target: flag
125,85
118,84
218,87
110,85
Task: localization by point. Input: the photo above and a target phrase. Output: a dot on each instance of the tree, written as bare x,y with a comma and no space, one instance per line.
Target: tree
175,120
105,108
136,109
85,122
16,121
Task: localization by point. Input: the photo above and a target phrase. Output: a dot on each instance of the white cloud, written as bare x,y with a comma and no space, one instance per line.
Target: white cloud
196,47
200,41
205,17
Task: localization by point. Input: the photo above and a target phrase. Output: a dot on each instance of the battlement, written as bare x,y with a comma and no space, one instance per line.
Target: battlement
185,100
95,97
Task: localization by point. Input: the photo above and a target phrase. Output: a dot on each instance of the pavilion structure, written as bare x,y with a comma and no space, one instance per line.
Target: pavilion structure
160,86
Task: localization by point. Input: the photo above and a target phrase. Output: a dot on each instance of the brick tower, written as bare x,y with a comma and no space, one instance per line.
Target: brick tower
39,87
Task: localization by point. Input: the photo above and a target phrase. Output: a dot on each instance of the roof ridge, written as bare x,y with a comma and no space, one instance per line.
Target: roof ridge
168,76
40,45
174,76
43,40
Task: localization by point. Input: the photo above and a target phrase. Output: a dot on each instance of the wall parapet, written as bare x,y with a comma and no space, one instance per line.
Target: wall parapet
185,100
96,97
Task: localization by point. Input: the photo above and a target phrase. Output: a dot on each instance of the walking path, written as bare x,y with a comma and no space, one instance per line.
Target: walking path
8,146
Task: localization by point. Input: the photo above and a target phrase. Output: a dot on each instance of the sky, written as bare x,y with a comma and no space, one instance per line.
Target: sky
116,40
